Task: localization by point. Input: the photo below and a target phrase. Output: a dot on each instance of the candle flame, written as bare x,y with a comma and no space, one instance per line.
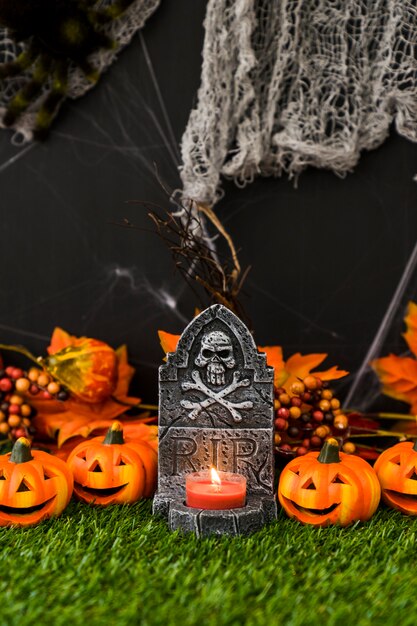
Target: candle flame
215,478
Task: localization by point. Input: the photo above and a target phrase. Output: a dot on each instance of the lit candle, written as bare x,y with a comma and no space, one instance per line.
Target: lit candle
210,489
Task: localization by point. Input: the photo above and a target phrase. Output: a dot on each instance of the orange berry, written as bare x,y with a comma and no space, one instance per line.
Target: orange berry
13,421
25,410
322,431
335,403
26,421
326,394
284,398
53,388
43,380
16,399
295,412
2,416
337,411
311,382
277,439
33,374
340,421
297,388
324,405
349,447
277,405
4,428
22,385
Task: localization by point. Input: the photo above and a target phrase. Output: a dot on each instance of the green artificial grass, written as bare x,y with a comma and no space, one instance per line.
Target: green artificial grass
121,565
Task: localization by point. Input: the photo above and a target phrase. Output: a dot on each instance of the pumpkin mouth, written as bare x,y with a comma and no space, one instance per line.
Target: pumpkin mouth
12,510
303,509
111,491
400,494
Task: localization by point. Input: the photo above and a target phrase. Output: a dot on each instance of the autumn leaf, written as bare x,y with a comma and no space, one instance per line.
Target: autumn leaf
275,359
398,374
297,367
168,341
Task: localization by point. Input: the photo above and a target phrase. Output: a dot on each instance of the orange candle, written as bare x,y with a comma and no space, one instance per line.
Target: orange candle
210,489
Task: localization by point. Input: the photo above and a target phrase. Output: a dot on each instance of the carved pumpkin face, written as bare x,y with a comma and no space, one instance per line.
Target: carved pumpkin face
34,485
113,471
329,488
396,469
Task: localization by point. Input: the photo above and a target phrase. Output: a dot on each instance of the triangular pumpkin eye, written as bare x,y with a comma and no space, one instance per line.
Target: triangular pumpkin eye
47,474
121,462
95,467
296,471
413,475
24,486
309,484
82,455
339,480
396,460
2,476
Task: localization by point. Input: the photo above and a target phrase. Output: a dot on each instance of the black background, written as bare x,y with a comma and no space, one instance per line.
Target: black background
326,257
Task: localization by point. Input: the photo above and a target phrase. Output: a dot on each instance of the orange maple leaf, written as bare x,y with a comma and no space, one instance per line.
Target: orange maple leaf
168,341
285,372
298,366
398,374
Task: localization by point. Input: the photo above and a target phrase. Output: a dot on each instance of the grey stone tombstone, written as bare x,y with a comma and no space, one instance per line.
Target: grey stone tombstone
216,408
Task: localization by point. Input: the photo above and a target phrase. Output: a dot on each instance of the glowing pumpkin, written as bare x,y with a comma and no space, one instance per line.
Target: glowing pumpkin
329,488
396,469
34,485
113,470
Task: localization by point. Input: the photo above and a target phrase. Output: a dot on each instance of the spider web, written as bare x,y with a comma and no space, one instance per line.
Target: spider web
120,31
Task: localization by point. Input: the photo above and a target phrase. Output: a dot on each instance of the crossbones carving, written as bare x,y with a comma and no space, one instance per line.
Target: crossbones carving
213,397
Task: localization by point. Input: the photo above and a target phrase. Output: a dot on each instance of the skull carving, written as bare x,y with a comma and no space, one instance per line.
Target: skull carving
216,354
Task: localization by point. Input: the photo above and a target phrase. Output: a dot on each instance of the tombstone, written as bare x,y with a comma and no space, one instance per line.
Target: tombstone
216,407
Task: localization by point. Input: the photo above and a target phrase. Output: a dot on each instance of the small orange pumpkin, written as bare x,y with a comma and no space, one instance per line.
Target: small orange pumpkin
329,487
113,470
396,469
34,485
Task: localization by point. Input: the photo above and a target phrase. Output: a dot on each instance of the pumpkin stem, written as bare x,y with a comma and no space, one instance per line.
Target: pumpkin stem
329,452
114,434
21,451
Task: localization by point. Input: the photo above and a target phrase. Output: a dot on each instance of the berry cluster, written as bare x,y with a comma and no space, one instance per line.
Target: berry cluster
16,389
306,416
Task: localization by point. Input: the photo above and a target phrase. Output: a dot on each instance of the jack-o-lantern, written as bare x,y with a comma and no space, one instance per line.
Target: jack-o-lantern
34,485
396,469
113,470
329,487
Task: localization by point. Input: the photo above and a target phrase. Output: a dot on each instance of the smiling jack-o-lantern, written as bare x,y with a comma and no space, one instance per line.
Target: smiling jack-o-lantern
34,485
329,488
396,469
113,470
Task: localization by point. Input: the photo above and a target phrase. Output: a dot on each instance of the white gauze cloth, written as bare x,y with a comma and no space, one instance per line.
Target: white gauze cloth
291,83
